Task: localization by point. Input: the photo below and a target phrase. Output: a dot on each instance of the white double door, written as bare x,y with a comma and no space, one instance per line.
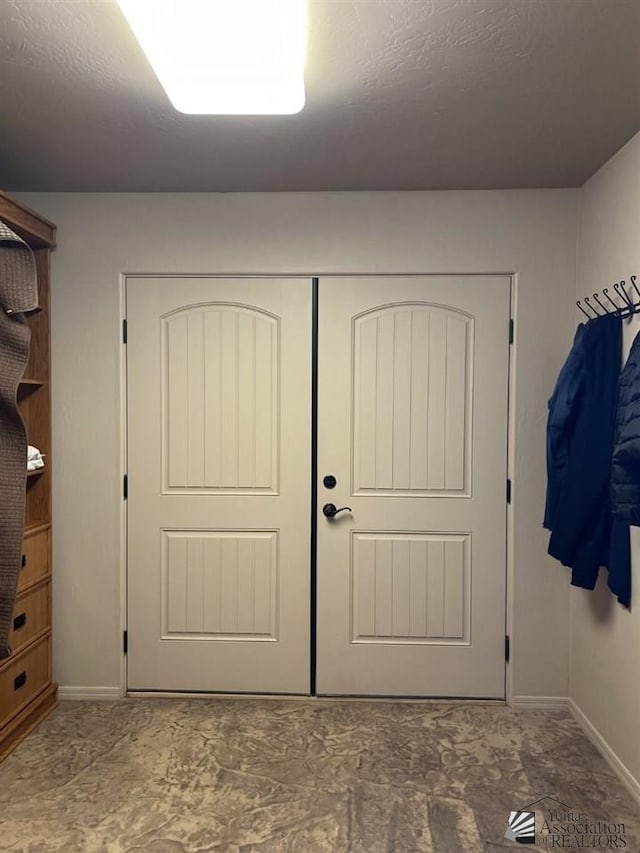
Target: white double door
412,380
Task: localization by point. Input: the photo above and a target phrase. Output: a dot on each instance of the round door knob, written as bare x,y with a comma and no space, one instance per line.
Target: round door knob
331,510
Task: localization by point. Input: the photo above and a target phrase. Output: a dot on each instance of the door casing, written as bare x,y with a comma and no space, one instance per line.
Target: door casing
123,690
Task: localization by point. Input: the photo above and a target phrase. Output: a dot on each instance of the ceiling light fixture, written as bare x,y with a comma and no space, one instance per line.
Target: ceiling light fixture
224,57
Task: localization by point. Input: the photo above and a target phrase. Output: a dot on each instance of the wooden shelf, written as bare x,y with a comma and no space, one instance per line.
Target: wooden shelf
28,387
36,527
35,229
19,714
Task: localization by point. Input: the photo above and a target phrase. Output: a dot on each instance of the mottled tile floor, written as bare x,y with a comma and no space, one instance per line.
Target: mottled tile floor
239,775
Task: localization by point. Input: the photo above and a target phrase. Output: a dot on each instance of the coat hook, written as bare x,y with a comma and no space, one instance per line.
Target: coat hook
624,290
588,316
589,305
635,286
622,294
604,307
605,291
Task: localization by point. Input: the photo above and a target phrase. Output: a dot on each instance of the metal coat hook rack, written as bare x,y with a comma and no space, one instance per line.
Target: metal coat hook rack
627,297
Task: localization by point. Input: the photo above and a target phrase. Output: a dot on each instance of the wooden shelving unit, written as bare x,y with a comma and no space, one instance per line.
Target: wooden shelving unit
27,691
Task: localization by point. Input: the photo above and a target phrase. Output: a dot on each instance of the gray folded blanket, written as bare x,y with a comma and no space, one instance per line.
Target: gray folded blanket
18,294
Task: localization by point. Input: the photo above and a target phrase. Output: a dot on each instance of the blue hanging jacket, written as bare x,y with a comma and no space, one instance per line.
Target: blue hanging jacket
580,431
625,465
563,407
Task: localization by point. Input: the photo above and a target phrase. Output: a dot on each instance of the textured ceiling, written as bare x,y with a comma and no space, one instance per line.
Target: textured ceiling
405,94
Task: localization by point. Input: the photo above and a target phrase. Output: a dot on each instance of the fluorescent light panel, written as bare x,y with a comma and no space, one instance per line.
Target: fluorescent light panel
227,57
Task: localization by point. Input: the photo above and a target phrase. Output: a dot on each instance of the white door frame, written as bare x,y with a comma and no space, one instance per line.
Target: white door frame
513,353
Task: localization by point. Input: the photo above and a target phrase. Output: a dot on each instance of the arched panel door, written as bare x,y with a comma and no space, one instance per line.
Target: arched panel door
412,409
219,442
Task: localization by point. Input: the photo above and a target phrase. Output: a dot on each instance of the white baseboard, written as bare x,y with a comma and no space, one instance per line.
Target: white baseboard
92,694
619,768
540,703
564,703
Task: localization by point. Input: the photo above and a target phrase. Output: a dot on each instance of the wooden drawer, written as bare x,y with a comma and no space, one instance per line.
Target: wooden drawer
22,677
30,617
36,560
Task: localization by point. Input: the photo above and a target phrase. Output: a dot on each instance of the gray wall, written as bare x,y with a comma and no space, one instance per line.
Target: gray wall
531,234
605,639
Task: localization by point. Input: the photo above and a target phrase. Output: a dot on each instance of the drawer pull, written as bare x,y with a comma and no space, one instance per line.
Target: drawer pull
23,563
20,681
20,621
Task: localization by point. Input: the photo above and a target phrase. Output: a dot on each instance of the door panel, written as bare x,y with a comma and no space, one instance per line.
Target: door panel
219,384
412,402
219,401
411,386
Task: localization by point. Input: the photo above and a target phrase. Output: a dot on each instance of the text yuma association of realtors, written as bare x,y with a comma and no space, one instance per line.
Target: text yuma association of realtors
571,829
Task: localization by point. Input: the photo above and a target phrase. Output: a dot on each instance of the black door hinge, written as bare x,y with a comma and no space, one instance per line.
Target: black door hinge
507,648
125,486
508,491
124,332
511,328
125,641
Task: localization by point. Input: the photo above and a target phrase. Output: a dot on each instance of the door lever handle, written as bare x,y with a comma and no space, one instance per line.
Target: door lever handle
331,510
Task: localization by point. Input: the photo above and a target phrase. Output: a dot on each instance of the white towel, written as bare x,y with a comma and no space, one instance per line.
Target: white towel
34,458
